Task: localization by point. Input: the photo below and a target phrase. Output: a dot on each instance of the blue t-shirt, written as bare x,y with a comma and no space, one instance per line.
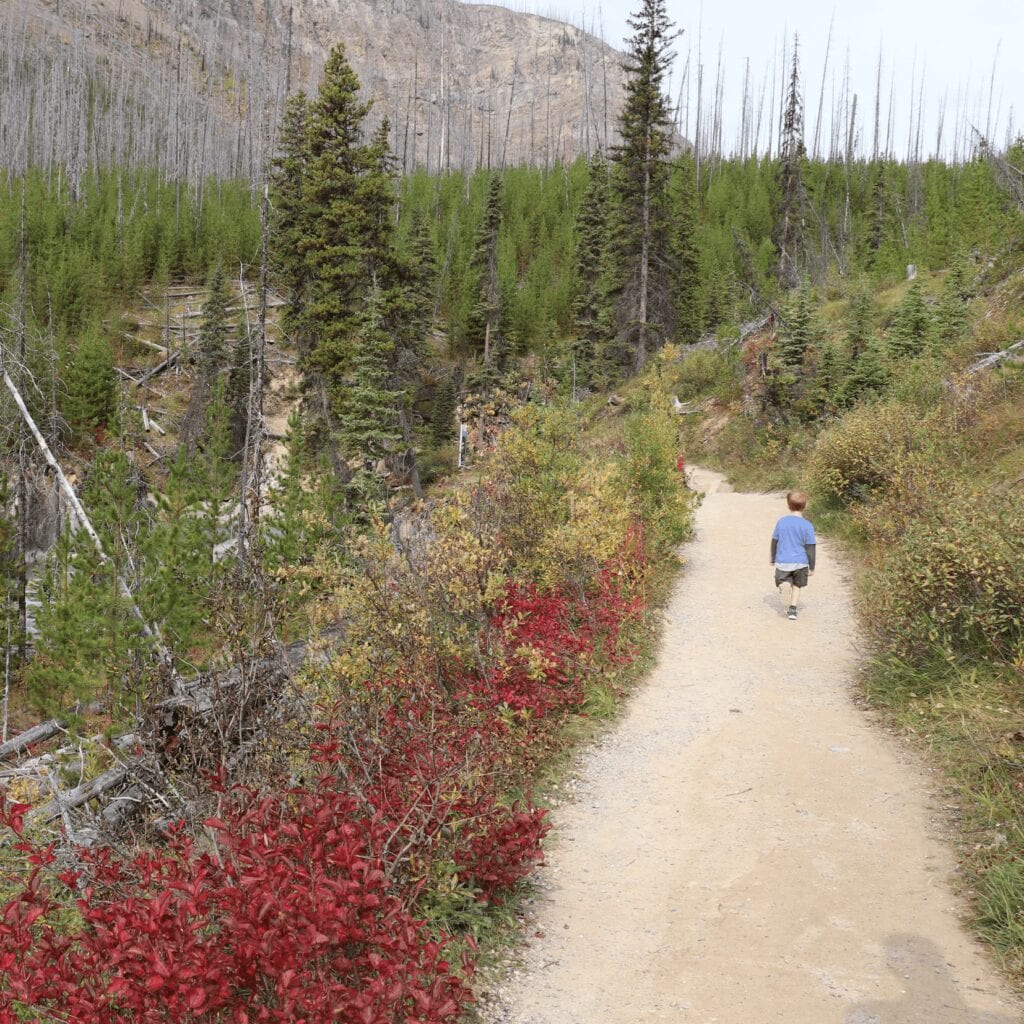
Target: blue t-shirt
792,533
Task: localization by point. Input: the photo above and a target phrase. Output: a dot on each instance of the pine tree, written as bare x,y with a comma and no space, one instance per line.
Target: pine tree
829,378
911,329
859,325
684,253
214,327
417,268
950,320
592,311
878,211
348,197
640,177
798,335
178,560
302,503
91,383
442,421
483,327
212,356
369,410
9,574
868,375
291,226
88,639
962,276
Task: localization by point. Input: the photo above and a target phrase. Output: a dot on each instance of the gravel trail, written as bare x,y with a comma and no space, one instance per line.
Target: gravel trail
746,847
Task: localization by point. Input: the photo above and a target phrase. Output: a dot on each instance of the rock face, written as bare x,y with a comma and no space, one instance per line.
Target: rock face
470,85
198,87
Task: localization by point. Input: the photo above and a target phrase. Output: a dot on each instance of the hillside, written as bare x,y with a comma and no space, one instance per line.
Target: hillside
199,88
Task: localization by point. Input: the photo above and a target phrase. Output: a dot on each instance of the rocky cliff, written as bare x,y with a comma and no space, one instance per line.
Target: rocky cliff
198,87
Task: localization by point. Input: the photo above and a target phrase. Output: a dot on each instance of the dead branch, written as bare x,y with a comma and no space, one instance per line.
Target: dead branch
991,359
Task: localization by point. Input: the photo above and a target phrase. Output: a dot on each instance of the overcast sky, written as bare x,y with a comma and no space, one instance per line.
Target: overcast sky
952,44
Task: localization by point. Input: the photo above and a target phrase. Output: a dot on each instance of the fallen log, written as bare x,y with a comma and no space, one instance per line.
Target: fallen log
80,795
37,734
159,368
991,359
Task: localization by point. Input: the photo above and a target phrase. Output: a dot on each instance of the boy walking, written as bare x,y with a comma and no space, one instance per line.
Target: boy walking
793,549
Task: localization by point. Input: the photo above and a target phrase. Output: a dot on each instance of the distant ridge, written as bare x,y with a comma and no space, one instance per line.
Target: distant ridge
197,88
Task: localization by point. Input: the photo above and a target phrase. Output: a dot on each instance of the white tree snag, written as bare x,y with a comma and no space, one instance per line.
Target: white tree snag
990,359
151,633
37,734
82,794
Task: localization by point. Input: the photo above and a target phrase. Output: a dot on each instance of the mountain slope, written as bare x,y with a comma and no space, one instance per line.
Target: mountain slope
198,88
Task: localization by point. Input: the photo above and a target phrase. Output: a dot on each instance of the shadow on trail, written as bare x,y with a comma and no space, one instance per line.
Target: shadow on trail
931,995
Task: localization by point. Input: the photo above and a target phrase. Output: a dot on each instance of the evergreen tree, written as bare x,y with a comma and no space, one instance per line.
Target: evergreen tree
291,227
859,330
592,309
214,328
442,421
178,560
88,638
868,375
684,253
302,505
911,329
878,212
9,571
950,321
418,274
640,178
962,276
829,378
348,195
483,328
212,356
91,383
798,335
369,411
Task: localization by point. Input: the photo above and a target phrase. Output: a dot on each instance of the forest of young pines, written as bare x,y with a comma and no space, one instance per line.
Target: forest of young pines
320,533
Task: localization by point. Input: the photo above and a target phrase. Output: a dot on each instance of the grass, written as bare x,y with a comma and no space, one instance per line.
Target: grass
970,723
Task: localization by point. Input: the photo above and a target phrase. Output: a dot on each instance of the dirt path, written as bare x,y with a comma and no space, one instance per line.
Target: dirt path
745,847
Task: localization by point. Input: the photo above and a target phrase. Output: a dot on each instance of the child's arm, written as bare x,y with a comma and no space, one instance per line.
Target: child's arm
775,548
811,550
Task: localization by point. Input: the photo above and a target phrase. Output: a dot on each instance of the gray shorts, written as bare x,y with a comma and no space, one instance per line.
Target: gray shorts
798,577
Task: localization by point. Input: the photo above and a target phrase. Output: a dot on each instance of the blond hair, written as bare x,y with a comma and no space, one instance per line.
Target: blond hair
797,501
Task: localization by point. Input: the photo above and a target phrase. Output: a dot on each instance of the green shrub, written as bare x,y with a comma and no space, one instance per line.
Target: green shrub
858,456
652,478
954,582
91,383
704,372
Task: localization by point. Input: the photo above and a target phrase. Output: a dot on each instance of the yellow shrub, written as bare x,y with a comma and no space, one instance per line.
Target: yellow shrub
861,454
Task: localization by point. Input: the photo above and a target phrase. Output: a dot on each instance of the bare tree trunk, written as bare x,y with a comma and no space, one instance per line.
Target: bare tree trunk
252,451
151,633
410,453
821,95
21,488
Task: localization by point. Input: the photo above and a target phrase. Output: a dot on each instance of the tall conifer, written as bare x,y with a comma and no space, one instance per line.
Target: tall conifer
484,324
640,178
684,254
592,312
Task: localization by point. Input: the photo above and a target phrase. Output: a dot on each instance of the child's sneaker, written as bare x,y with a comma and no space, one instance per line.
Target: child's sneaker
791,614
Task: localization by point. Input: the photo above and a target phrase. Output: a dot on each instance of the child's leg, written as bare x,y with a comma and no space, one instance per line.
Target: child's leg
794,594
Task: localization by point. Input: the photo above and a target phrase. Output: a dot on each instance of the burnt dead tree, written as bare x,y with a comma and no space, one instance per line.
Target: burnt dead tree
793,196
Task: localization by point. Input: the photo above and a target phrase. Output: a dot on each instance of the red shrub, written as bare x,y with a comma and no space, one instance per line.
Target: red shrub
288,917
298,908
